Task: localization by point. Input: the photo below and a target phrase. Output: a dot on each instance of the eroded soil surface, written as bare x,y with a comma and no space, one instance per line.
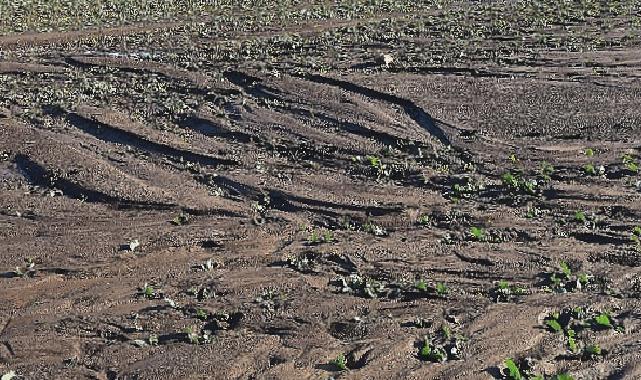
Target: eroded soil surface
239,196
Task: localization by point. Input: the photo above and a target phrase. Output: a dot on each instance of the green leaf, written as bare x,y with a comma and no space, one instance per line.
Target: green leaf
565,268
477,233
589,169
426,351
564,376
513,370
594,349
554,325
340,362
603,320
438,355
441,289
571,341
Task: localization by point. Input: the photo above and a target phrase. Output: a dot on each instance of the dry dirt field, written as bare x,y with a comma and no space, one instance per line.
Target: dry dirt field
364,189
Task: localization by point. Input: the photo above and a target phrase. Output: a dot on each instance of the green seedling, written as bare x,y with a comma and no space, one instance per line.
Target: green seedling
148,291
554,325
181,219
314,238
592,170
504,292
520,371
446,331
603,320
630,163
580,217
589,152
515,183
202,314
153,340
433,354
477,233
441,289
192,337
424,220
589,169
636,237
572,345
513,371
593,351
374,229
572,321
565,268
546,171
426,351
532,212
564,280
27,270
510,180
421,286
340,362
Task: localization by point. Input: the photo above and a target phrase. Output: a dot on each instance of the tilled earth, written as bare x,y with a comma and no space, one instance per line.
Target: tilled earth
233,199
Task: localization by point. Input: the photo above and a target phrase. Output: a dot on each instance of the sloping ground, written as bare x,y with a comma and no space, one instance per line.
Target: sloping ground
292,199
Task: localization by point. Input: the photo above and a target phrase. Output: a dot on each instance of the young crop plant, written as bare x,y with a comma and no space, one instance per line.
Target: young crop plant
571,323
546,171
511,181
516,183
504,292
191,336
375,167
181,219
564,280
315,237
524,370
477,233
441,289
340,363
580,217
533,212
442,346
630,163
591,170
424,220
148,291
374,229
27,270
593,352
153,340
467,190
636,237
202,314
421,286
423,289
360,286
